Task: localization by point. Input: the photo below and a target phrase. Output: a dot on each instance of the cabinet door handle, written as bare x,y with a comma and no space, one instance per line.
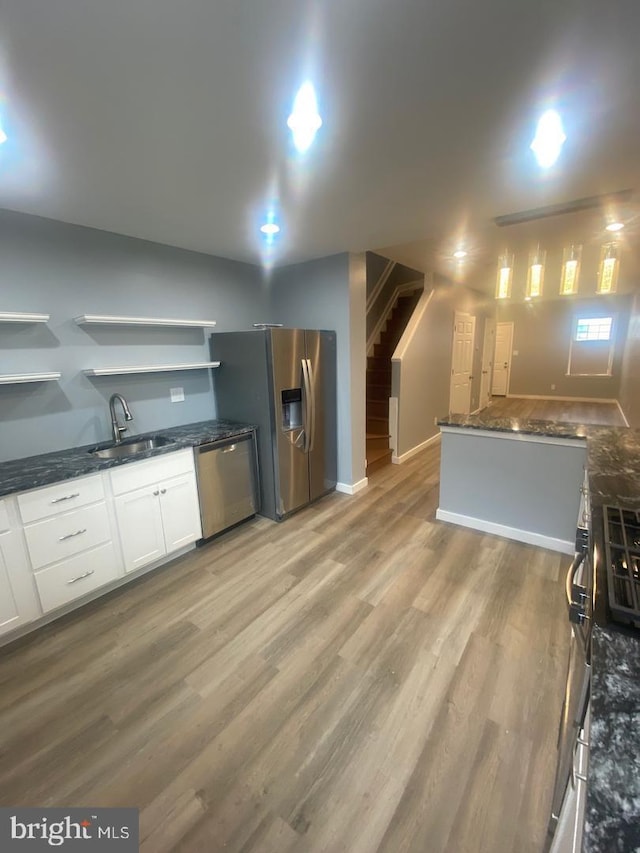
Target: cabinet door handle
156,493
163,491
71,535
81,577
66,498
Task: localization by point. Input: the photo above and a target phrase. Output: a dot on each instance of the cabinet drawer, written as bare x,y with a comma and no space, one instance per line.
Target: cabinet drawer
4,517
76,576
137,475
68,533
51,500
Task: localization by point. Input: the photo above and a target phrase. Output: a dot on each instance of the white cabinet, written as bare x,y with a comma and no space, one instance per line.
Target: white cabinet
157,508
18,599
69,539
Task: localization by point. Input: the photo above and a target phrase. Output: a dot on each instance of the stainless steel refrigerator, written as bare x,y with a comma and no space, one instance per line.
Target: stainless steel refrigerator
284,382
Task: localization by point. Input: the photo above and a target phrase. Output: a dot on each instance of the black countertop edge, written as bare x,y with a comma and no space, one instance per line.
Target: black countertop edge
30,472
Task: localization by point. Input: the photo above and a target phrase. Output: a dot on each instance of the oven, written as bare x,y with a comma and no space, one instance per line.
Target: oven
569,794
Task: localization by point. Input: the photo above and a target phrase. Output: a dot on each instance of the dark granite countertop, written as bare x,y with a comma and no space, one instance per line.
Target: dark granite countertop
484,420
613,789
30,472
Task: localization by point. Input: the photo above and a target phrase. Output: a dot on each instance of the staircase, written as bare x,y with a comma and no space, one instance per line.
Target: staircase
379,383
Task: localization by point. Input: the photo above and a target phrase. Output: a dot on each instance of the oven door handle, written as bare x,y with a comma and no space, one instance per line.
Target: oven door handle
577,608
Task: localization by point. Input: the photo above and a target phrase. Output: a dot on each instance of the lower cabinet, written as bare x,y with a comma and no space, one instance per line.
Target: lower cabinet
61,542
79,575
157,520
18,600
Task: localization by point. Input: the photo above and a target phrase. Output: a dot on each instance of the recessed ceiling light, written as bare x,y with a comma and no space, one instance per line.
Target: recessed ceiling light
304,121
615,226
549,139
270,228
459,254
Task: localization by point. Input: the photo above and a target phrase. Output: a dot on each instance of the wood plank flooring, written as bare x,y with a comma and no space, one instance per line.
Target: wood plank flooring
360,678
568,411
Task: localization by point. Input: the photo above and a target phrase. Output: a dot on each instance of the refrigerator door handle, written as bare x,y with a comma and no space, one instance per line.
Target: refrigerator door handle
312,395
307,405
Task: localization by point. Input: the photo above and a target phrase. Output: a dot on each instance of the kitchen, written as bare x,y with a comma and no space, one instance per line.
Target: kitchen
68,270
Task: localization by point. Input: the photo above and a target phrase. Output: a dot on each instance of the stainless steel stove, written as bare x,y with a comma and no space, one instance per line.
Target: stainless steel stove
622,559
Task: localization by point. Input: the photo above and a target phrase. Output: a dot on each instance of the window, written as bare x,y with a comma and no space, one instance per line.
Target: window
593,329
591,347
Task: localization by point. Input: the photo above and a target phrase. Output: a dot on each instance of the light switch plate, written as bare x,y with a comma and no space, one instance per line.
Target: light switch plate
176,395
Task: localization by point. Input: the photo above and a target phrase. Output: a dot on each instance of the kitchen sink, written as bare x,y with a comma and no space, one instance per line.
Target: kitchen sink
130,447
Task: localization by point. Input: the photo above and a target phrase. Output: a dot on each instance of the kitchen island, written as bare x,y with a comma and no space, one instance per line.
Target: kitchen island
515,478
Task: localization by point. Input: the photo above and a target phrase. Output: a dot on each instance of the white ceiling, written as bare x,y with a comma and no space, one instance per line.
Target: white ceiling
166,120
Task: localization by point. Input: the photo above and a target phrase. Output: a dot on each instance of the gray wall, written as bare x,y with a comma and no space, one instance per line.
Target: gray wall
542,334
67,270
422,385
525,484
630,374
318,295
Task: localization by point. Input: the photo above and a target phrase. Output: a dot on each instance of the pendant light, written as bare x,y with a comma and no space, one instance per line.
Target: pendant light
571,259
608,268
505,276
535,273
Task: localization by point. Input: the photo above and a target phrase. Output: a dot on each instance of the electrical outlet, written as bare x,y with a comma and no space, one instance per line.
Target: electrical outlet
553,387
176,395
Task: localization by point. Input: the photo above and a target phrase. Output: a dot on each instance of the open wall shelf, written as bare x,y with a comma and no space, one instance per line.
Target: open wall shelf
22,317
18,378
114,320
149,368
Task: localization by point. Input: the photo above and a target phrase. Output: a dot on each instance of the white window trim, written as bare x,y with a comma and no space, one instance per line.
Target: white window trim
612,342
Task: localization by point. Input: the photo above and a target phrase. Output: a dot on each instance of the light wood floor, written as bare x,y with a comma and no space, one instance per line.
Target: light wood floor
567,411
358,678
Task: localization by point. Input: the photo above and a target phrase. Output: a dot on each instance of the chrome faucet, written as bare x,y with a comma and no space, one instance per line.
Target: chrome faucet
116,429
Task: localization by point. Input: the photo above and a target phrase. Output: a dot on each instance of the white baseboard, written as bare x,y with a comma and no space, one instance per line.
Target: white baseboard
346,489
398,460
526,536
562,399
622,414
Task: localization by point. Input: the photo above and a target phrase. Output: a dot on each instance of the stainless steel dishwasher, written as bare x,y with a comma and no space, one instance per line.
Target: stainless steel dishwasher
227,482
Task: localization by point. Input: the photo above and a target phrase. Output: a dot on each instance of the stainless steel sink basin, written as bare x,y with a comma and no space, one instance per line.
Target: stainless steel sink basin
131,447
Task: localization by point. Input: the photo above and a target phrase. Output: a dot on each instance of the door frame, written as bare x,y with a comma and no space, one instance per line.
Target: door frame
488,349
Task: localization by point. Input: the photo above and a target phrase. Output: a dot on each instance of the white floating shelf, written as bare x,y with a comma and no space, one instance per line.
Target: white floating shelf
109,320
17,378
149,368
22,317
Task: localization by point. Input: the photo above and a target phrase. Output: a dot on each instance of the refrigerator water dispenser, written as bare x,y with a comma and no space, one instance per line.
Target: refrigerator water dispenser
292,408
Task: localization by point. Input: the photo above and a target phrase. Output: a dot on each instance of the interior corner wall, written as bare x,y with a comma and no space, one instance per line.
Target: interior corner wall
68,270
630,374
316,295
541,338
422,382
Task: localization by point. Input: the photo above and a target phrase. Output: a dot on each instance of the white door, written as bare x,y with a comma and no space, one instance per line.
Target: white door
488,349
464,329
180,512
140,526
502,360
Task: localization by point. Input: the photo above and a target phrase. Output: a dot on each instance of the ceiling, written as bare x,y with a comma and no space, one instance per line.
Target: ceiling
166,120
